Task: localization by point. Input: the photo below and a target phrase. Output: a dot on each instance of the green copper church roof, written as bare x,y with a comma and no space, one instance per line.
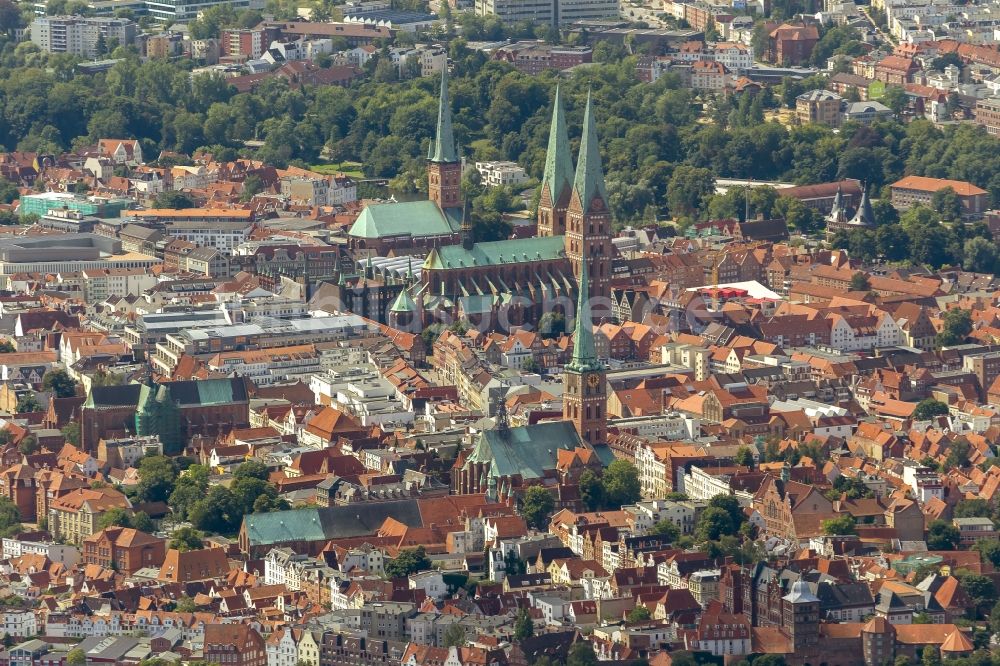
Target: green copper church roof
495,253
584,349
558,173
403,303
527,451
419,218
589,179
444,143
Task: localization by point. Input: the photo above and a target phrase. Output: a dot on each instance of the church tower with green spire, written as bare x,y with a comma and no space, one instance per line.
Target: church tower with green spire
557,180
444,169
588,220
584,377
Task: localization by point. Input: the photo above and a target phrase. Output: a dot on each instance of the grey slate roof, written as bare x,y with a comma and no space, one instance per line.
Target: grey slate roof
317,524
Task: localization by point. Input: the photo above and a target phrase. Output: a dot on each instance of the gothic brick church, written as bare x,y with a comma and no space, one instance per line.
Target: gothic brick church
522,278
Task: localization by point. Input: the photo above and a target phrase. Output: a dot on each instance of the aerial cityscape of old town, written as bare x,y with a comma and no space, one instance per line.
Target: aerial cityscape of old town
499,333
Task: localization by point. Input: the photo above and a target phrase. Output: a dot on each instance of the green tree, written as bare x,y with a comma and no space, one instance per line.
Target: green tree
29,445
105,378
942,535
928,408
524,627
713,523
947,204
7,347
537,506
591,490
10,517
514,565
689,189
252,469
157,475
142,522
989,551
638,614
115,517
252,185
666,528
980,589
186,538
839,526
71,431
189,488
409,561
76,657
973,508
581,653
552,325
621,484
797,215
218,512
185,604
730,505
173,199
454,636
254,495
979,255
895,98
60,383
744,457
28,403
958,454
860,282
957,327
8,190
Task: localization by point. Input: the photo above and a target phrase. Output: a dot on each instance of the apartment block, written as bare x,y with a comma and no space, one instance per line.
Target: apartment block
819,106
80,35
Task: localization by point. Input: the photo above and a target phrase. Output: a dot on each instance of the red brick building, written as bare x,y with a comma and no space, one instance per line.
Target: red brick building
896,70
124,549
792,44
535,57
192,565
17,483
234,645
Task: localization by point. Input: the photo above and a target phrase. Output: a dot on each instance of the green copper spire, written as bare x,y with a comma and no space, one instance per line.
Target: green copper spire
444,143
558,161
589,180
584,350
403,303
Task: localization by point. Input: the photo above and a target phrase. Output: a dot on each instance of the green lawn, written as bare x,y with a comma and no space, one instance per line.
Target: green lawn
352,169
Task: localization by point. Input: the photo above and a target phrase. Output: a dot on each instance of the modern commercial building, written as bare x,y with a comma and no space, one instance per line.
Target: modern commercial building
182,11
67,253
554,12
218,228
41,204
81,35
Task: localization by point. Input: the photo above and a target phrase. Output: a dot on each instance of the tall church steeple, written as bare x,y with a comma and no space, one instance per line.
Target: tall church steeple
444,169
557,179
588,221
584,377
